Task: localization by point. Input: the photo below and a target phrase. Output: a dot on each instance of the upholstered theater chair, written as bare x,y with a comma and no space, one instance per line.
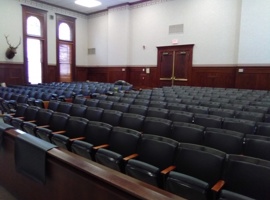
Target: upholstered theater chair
197,169
93,113
42,118
155,156
230,142
208,120
180,116
29,115
74,130
96,136
57,123
7,118
257,146
245,178
132,121
187,133
77,110
156,126
122,147
111,117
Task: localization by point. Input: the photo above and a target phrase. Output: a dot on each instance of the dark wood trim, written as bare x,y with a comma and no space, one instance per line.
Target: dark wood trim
12,73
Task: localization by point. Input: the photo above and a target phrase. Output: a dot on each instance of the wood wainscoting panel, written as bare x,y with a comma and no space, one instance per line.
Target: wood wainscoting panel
99,74
53,75
253,78
117,73
81,73
223,77
12,74
143,77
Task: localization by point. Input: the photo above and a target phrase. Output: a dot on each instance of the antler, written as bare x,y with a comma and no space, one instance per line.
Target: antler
19,43
6,36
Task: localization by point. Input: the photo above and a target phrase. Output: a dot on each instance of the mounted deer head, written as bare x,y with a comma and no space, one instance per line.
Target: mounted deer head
11,51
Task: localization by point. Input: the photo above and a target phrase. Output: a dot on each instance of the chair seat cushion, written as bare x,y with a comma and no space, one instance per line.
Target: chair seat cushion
186,186
225,194
143,171
110,159
44,134
17,123
60,140
29,127
82,148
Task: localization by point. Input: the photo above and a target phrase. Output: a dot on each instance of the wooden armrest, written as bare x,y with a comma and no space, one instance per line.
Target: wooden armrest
101,146
78,138
59,132
69,100
217,187
46,104
31,121
131,156
168,169
43,126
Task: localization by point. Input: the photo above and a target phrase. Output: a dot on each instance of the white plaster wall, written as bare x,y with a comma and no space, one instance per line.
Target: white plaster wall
98,39
11,25
254,45
82,42
209,24
118,36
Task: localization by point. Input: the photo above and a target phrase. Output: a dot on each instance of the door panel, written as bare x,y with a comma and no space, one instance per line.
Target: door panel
181,67
166,65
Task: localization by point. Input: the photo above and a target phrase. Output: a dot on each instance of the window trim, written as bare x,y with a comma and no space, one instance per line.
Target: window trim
71,21
42,16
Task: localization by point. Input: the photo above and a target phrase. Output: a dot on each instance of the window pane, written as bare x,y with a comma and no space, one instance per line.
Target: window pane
33,26
64,32
34,60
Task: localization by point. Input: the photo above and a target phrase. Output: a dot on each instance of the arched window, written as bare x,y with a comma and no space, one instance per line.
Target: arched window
35,44
65,41
33,26
64,32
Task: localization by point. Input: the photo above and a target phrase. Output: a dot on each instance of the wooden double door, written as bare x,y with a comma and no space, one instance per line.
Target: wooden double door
175,65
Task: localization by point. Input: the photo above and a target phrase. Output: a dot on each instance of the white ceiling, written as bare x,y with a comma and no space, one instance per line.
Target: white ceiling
69,4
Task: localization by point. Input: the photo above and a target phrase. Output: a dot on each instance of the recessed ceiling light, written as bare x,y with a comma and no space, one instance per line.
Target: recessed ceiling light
88,3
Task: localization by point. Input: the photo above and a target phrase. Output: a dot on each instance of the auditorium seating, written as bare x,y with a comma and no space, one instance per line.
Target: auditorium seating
42,118
57,123
155,155
244,178
122,146
96,136
226,128
197,169
74,130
